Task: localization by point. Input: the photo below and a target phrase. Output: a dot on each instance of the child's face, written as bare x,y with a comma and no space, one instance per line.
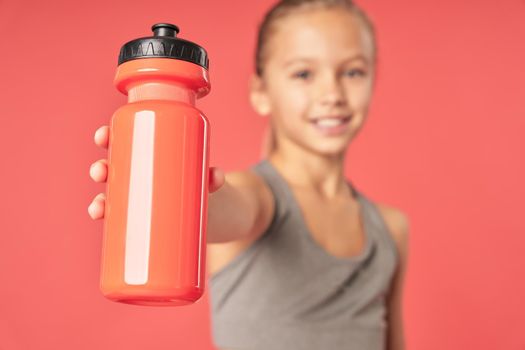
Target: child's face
320,64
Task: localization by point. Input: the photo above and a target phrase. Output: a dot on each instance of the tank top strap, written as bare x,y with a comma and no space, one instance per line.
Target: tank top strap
281,195
288,209
376,222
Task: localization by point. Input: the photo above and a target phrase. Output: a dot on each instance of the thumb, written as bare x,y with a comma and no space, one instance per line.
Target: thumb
216,179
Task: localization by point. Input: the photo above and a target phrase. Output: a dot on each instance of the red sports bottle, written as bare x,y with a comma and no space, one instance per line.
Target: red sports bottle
154,242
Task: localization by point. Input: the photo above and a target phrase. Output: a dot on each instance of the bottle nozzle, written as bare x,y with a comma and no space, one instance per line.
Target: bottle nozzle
163,44
165,29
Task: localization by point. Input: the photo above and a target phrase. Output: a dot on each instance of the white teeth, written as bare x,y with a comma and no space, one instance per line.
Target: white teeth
329,122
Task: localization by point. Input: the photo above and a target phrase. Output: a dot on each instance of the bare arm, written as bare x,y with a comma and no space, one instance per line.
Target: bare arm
398,224
395,303
242,207
239,206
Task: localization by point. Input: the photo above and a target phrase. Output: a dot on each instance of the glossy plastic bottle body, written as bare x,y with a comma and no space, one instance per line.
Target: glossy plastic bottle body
154,244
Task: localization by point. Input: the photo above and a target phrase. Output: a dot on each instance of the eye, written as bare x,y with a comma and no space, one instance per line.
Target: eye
356,72
303,74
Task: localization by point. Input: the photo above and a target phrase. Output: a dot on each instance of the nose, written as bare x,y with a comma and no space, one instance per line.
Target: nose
332,91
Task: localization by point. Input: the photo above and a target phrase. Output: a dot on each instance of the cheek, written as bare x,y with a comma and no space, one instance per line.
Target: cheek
359,97
291,102
289,112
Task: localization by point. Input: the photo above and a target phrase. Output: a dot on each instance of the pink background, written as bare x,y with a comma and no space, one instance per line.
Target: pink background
444,142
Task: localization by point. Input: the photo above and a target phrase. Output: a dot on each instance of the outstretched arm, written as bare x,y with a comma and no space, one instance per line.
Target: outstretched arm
398,224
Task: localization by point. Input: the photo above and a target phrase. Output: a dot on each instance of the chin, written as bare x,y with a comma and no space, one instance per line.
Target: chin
330,150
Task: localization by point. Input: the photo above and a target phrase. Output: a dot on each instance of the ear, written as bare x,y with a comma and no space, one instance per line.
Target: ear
258,96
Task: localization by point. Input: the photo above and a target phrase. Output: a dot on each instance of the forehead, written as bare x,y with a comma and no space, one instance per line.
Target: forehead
320,34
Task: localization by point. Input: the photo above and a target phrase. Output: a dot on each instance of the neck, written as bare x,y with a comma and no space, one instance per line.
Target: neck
307,169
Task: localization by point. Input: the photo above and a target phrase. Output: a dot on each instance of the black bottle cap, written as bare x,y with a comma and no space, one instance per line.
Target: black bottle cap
164,43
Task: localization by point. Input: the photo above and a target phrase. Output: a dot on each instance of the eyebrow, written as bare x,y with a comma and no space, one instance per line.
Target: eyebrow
359,57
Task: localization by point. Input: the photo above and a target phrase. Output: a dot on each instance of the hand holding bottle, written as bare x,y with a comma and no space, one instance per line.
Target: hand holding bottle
98,172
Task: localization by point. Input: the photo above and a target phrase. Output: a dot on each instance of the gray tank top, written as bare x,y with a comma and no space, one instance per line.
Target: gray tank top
285,291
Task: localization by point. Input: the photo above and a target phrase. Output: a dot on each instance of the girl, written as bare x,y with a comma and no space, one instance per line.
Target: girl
299,258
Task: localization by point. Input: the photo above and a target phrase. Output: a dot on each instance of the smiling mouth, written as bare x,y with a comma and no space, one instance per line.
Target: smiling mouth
329,122
332,126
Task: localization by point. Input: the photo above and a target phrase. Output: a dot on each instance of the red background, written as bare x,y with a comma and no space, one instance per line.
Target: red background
444,143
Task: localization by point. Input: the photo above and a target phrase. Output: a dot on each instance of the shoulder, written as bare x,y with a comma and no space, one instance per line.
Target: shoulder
254,193
252,184
255,190
398,224
245,178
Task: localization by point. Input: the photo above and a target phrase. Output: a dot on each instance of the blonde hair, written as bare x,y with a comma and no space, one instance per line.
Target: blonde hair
282,9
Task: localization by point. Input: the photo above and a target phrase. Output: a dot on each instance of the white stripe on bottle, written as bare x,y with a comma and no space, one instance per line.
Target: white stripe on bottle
138,228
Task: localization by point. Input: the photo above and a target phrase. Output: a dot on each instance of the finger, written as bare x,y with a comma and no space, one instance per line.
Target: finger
99,170
216,179
102,136
100,196
97,207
